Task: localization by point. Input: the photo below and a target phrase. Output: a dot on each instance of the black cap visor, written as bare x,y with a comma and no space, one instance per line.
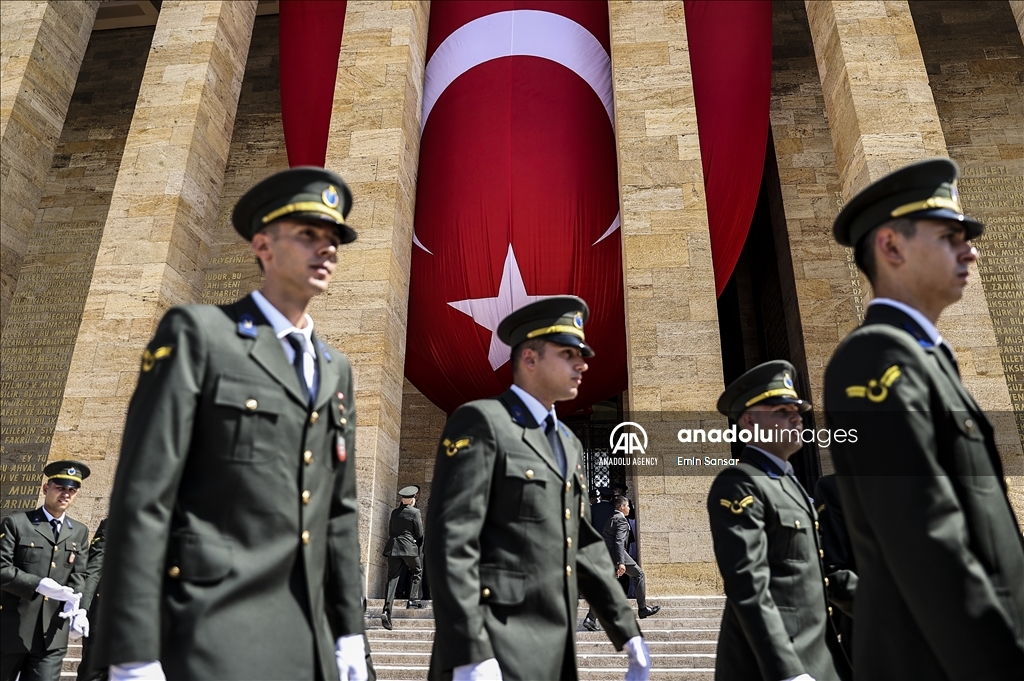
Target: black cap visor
972,228
346,234
569,341
802,405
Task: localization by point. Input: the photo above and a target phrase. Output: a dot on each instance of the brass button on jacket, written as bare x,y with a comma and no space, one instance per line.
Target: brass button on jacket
251,404
486,593
174,572
305,536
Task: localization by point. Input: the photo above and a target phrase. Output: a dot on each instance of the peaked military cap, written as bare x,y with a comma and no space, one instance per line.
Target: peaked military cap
926,189
67,473
558,319
409,492
303,192
768,383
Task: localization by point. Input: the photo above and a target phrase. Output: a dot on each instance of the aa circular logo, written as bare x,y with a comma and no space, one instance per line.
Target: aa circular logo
628,438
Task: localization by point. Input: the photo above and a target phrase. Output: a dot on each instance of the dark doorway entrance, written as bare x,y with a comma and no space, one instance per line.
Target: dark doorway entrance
758,317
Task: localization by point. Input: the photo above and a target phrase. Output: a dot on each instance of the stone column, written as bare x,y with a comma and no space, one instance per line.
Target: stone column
41,49
374,143
831,293
1018,13
158,227
882,115
674,352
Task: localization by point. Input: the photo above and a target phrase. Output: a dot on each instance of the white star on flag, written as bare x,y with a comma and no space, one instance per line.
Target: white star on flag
488,312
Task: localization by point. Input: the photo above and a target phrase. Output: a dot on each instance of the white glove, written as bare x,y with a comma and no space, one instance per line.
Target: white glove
79,625
137,671
350,653
639,659
488,670
802,677
51,589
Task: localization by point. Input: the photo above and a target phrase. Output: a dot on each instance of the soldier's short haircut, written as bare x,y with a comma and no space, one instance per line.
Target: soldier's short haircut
864,253
274,228
619,500
535,344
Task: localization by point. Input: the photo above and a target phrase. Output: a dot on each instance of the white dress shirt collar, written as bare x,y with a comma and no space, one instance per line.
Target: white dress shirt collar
922,321
282,327
537,409
50,517
784,466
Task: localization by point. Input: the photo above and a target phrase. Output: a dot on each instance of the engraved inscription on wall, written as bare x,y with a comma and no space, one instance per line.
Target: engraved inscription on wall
995,194
49,301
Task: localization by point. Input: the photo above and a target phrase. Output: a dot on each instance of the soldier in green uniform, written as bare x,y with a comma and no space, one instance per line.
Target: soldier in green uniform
939,552
405,532
88,670
42,572
509,539
233,530
765,531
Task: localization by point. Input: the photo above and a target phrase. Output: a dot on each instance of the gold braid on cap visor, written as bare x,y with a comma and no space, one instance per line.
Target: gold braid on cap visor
64,476
304,207
777,392
556,329
927,204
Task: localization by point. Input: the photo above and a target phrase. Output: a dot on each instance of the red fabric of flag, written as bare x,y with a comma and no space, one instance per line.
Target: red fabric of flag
309,41
517,194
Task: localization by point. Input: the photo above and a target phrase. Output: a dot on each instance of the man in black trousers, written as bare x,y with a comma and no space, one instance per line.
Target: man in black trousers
403,548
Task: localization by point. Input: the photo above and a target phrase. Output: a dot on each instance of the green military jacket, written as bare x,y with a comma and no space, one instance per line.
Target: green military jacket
91,589
765,534
939,553
509,546
405,531
231,497
27,554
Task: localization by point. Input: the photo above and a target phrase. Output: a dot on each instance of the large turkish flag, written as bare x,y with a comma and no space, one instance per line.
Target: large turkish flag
517,194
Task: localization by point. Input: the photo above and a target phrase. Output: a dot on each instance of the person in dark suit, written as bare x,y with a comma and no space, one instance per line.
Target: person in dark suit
616,535
765,531
88,670
233,534
509,542
42,574
938,548
602,510
835,544
403,548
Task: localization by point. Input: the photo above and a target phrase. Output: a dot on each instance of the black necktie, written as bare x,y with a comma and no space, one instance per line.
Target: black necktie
299,346
556,442
55,524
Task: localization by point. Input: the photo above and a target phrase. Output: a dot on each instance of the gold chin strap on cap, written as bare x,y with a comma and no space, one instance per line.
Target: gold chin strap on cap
304,207
927,204
63,476
777,392
556,329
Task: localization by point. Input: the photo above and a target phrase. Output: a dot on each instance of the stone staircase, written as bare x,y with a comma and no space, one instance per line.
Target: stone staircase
682,639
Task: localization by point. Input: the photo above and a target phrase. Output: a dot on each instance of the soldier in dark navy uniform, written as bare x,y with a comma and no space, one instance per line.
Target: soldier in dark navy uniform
765,532
233,530
509,540
405,531
938,548
43,558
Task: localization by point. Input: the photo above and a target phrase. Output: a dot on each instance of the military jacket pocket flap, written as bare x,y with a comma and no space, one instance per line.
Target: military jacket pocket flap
28,553
501,587
248,396
194,558
526,467
793,519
